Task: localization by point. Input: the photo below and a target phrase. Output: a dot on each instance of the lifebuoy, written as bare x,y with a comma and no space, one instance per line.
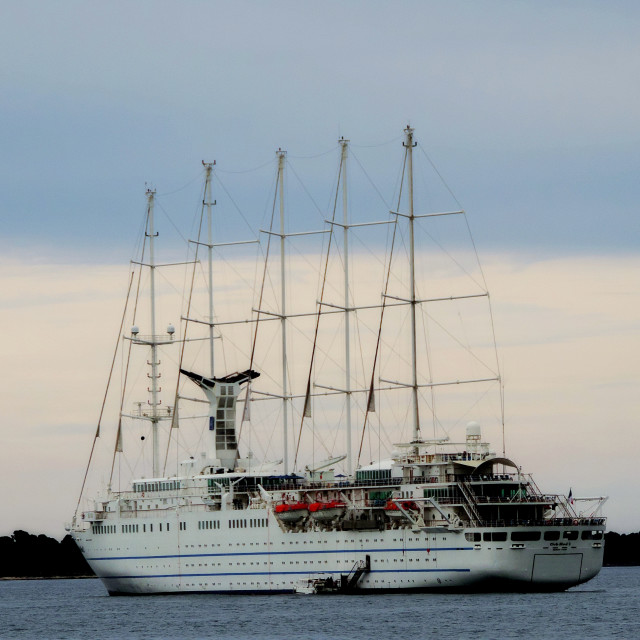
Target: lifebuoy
143,494
576,522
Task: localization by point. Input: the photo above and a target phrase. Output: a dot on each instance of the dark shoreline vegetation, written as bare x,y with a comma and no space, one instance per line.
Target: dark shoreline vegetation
24,555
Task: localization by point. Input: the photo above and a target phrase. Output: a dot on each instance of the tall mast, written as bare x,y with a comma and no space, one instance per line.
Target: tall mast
409,144
281,158
154,346
347,349
209,203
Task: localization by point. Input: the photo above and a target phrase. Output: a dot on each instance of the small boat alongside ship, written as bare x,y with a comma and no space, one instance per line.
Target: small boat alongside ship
425,514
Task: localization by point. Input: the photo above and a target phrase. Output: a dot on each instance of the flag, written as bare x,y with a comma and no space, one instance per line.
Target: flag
570,497
174,417
306,412
119,447
246,411
371,405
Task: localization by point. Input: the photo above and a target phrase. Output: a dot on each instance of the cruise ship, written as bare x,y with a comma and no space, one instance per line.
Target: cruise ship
438,513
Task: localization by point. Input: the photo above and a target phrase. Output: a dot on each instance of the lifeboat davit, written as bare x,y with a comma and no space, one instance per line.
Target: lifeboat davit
292,511
327,510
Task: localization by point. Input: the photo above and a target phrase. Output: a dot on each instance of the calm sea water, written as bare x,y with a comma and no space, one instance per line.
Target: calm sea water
606,607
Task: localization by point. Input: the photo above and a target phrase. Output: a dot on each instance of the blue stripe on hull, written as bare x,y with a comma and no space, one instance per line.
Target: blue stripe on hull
284,553
278,573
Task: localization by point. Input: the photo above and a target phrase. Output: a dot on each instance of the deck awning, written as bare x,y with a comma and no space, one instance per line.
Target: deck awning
482,466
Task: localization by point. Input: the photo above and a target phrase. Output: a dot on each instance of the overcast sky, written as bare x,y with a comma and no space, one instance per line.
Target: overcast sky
529,109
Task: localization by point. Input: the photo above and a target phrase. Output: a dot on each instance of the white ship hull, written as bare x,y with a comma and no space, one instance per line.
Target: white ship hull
264,559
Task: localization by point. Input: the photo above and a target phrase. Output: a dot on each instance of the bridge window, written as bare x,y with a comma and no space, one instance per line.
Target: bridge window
592,535
525,536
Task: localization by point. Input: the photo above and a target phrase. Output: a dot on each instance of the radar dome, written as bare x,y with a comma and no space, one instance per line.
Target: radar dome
474,430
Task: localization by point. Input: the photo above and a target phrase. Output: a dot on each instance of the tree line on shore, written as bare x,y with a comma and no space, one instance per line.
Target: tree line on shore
24,555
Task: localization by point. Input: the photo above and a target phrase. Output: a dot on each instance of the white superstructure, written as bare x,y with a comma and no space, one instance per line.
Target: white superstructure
434,514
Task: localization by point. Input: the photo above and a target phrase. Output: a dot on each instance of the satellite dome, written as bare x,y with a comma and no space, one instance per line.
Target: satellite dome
474,429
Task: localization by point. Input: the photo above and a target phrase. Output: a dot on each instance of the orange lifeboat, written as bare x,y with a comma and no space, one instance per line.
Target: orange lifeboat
292,511
327,510
393,510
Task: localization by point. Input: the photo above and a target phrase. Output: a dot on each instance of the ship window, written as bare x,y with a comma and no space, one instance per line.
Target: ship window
552,535
592,535
496,536
525,536
570,535
472,537
161,526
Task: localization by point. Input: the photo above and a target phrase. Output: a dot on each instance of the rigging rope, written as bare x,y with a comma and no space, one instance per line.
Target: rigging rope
118,443
307,399
174,422
260,297
484,281
106,391
370,397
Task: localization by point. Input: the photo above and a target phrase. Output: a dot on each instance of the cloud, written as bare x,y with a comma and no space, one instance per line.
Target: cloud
525,109
568,347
